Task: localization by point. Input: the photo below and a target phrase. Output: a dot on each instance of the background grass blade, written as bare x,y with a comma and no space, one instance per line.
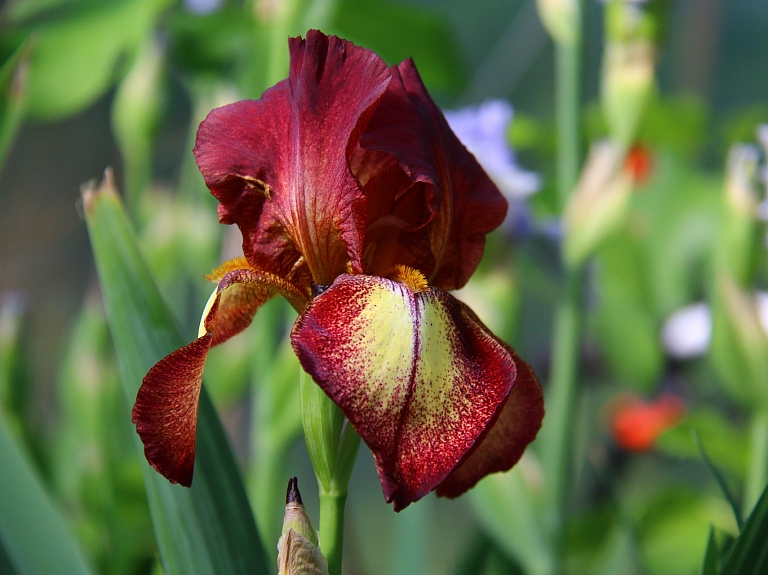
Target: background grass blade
208,528
34,540
711,556
749,554
720,482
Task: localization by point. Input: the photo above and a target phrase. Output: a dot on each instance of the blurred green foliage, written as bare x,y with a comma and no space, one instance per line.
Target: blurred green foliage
685,235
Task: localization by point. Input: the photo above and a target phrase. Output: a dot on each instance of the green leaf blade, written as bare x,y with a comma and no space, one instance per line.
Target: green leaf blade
712,556
749,554
209,527
34,540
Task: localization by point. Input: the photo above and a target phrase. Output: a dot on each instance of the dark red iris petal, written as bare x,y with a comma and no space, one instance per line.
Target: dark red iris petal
457,203
422,381
516,427
165,412
279,165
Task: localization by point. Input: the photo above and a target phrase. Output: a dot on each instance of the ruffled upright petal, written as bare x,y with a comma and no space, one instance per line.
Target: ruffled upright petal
279,166
413,370
165,412
453,199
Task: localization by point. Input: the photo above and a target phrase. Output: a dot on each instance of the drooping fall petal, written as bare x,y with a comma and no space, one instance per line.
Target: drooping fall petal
165,412
502,447
412,369
279,165
459,204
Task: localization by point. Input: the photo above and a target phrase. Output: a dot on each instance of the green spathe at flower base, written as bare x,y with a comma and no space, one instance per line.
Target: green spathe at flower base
390,211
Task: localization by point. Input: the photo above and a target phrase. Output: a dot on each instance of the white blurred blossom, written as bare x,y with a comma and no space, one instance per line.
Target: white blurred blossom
483,130
687,333
202,6
762,136
762,309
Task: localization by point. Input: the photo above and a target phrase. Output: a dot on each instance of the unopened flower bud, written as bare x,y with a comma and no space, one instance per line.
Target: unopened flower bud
626,84
136,111
739,343
298,551
296,517
599,202
740,225
561,20
637,424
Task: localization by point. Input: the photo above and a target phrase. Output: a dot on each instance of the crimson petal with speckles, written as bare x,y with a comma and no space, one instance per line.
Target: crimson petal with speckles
415,372
165,412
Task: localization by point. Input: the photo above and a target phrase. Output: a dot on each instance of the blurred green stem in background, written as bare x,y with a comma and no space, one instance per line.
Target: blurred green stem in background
136,114
556,434
567,94
279,21
276,419
757,473
13,95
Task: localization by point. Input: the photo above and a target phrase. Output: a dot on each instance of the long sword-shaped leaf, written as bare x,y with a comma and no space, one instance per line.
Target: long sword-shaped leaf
208,528
34,539
749,555
711,556
13,96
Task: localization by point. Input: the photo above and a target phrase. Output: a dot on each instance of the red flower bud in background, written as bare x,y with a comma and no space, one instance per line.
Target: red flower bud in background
639,162
636,424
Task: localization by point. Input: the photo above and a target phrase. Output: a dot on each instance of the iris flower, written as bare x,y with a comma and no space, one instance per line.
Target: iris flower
357,204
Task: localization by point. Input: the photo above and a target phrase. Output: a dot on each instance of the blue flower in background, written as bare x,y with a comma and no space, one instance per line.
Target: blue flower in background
483,130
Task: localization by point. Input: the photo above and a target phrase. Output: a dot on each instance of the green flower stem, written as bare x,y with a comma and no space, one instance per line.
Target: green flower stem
332,445
568,70
556,435
557,432
332,528
757,474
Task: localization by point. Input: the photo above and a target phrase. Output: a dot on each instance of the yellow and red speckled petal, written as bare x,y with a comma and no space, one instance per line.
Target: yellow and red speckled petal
414,372
165,412
516,427
241,293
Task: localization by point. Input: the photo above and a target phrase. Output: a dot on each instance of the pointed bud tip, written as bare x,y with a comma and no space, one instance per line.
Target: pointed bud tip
293,495
92,190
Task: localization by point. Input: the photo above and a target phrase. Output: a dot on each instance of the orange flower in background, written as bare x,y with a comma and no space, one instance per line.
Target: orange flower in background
636,424
639,162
